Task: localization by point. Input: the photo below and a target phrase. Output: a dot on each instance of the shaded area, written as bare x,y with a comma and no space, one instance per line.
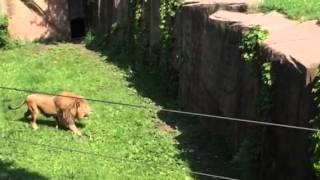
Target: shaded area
50,122
9,171
202,154
77,28
77,18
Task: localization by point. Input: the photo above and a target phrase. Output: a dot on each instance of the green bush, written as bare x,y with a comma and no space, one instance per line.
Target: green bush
4,33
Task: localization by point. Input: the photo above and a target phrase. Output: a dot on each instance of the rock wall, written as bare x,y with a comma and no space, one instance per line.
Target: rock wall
214,79
114,19
286,153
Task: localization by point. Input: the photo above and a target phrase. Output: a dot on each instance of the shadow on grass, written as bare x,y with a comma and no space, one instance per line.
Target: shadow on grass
9,172
202,154
49,122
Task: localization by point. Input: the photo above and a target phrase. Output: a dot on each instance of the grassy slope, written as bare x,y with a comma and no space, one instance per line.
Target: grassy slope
117,131
295,9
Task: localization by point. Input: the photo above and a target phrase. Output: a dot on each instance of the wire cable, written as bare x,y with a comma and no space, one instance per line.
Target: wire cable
174,111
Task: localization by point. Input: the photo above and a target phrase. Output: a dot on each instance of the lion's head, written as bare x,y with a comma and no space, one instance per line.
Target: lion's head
76,105
83,109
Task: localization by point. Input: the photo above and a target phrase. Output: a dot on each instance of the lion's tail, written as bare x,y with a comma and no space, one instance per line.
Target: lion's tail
17,107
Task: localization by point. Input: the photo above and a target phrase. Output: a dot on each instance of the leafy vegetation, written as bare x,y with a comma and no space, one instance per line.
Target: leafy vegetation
246,158
251,42
316,121
117,132
4,34
5,41
265,100
295,9
168,11
316,154
137,42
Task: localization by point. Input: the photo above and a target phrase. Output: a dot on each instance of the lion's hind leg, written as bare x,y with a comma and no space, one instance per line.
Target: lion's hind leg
27,114
34,112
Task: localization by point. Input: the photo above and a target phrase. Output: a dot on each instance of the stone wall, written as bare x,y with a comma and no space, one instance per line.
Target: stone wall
114,19
37,19
214,79
106,17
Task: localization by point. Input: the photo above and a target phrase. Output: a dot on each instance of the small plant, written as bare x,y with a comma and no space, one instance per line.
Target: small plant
316,152
5,41
266,74
316,89
265,99
316,136
89,38
93,41
4,33
251,42
316,92
168,9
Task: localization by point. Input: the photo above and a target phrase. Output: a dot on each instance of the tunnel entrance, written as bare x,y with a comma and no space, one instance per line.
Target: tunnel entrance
77,20
77,27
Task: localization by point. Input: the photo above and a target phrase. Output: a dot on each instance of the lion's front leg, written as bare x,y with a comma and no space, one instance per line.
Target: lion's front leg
74,129
34,113
57,122
67,118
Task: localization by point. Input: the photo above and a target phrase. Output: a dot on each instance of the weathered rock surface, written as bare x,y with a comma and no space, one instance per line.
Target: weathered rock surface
213,79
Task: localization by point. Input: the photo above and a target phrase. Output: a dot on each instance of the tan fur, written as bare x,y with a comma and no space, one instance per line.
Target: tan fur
68,100
71,108
64,109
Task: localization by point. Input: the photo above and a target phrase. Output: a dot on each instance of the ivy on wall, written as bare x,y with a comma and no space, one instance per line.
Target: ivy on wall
249,46
316,121
168,10
246,158
167,13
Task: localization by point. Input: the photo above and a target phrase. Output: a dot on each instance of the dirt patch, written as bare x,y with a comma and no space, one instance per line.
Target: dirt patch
163,127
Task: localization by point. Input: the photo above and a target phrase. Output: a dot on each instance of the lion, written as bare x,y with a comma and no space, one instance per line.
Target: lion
65,110
71,108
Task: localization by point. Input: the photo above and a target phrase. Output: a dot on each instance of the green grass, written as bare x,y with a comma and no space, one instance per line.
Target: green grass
116,131
295,9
